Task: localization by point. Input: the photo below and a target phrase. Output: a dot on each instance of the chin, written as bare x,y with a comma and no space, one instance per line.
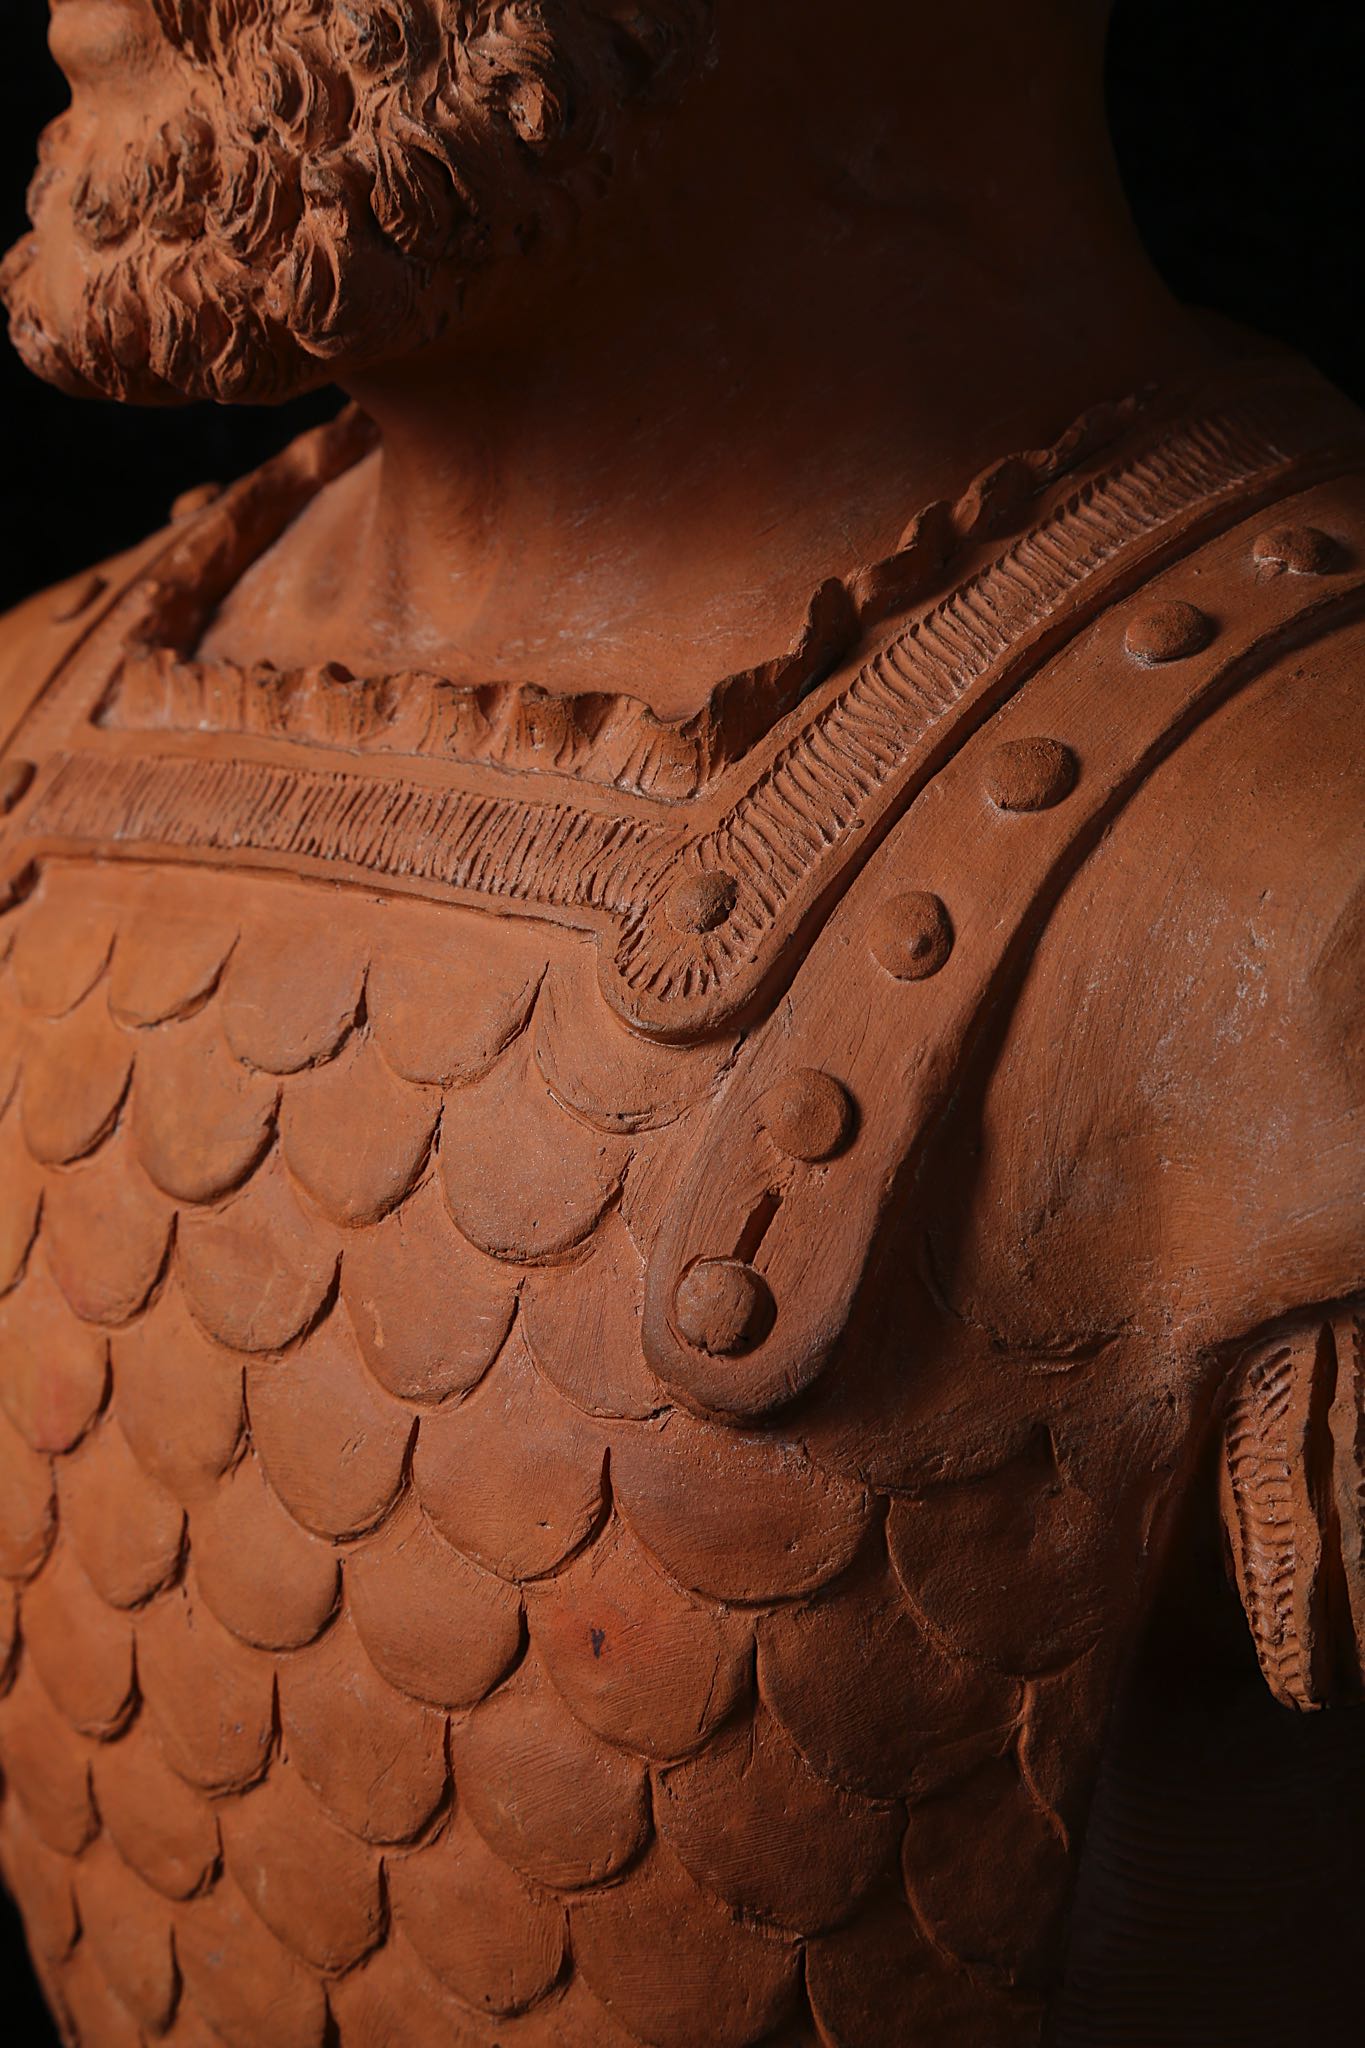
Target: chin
244,231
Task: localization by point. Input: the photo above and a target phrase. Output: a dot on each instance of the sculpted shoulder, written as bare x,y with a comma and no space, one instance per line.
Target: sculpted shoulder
36,635
1176,1123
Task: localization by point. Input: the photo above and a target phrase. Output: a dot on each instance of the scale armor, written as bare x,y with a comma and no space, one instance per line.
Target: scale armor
551,1491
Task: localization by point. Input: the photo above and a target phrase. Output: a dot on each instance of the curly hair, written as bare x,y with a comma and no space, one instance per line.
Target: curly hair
338,172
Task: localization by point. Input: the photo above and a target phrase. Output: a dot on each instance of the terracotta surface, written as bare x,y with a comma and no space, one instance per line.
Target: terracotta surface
652,1329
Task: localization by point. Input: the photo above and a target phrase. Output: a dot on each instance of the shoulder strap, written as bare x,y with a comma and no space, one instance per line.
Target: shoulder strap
702,910
718,928
46,633
826,1115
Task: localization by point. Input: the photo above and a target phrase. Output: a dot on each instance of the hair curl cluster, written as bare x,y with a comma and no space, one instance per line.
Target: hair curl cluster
339,171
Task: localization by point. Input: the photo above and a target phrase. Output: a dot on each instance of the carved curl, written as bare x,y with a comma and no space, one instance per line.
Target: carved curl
337,173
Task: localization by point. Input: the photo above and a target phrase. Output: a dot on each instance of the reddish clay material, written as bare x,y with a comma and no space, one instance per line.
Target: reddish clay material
649,1325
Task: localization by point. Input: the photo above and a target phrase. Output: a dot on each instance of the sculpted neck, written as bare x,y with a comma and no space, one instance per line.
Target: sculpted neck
838,283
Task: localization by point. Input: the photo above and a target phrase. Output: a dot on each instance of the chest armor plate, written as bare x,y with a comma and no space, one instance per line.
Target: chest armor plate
487,1559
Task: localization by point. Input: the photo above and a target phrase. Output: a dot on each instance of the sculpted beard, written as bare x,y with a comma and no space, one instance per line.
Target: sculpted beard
337,172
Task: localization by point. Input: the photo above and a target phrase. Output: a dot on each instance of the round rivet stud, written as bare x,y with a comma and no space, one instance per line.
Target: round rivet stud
15,777
1302,550
808,1116
699,903
1029,775
723,1306
911,936
1169,632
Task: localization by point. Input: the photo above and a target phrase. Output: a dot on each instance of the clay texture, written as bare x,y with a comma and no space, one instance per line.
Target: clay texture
403,1482
615,1318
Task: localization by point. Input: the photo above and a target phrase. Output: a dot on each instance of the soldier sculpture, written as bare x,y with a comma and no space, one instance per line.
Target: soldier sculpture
681,1061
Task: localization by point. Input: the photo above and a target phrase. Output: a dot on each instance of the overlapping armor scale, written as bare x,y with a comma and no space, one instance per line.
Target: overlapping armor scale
384,1659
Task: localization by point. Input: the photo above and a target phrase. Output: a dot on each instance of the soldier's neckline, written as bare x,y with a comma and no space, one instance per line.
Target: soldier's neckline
700,907
607,738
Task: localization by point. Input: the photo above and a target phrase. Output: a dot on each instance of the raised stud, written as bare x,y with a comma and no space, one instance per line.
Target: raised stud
911,936
1301,550
1029,775
1168,632
723,1306
808,1116
699,903
15,777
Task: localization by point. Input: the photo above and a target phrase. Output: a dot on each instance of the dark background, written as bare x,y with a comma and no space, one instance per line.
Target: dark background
1240,132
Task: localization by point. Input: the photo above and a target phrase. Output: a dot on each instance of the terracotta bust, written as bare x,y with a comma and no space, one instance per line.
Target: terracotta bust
680,1045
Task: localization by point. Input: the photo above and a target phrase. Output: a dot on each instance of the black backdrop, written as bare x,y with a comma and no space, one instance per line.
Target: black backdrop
1240,133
